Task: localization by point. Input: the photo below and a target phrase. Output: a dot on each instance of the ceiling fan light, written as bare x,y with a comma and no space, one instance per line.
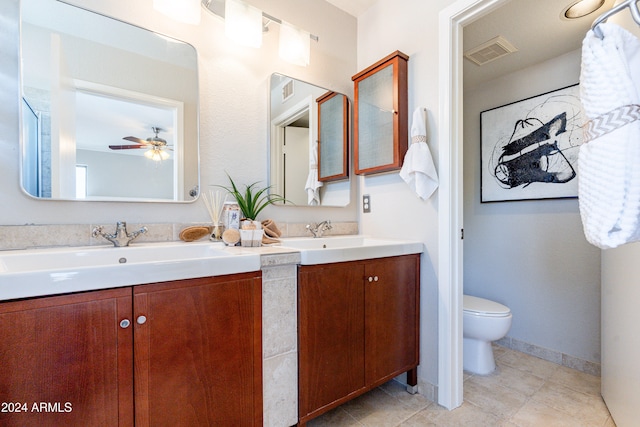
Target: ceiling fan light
156,154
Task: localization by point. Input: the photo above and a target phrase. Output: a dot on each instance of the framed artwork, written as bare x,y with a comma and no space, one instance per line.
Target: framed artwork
529,148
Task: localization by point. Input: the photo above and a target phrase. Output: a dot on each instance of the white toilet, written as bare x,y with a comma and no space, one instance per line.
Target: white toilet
483,321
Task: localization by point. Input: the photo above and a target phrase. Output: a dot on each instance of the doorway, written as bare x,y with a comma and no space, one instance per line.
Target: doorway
450,219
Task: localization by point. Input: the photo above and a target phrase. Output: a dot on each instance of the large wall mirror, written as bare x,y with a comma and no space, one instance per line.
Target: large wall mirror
109,109
309,130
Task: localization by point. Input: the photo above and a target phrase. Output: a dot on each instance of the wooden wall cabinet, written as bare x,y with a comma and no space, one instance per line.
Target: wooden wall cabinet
167,354
381,115
357,327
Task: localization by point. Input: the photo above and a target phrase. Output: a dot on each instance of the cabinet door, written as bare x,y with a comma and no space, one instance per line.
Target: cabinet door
333,137
331,335
198,353
66,361
381,115
392,317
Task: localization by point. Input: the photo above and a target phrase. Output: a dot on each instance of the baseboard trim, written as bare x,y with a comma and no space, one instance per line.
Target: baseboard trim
554,356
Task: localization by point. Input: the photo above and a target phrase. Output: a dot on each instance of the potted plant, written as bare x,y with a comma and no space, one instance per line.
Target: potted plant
252,200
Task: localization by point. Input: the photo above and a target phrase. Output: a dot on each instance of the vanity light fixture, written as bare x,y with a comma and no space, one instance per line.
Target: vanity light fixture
294,42
187,11
295,45
243,23
582,8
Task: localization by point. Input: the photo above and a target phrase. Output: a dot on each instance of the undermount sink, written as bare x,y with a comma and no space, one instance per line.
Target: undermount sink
34,272
323,250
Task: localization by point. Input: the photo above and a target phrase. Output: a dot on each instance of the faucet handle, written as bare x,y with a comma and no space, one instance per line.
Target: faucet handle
97,231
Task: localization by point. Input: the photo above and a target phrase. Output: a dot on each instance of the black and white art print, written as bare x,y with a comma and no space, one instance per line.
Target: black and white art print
529,148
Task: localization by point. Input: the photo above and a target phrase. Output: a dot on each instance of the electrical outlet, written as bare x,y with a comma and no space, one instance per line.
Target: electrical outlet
366,203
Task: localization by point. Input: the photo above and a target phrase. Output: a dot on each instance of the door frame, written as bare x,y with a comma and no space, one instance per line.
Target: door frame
450,200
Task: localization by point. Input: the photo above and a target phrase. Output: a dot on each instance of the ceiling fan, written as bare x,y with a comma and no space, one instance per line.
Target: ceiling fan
155,145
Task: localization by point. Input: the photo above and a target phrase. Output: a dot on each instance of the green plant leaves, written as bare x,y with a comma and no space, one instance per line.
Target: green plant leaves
253,199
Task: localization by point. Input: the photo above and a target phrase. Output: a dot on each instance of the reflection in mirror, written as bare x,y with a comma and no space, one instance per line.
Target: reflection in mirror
110,110
295,112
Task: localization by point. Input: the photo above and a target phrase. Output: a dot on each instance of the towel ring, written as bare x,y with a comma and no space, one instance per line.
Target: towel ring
631,4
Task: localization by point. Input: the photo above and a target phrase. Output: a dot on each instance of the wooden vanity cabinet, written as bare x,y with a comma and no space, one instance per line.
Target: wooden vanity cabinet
66,361
358,328
188,353
198,352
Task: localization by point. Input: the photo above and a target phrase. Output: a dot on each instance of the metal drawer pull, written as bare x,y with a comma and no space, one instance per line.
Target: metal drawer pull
141,320
124,323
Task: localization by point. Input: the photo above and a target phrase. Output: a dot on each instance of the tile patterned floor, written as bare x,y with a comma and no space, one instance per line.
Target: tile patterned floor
524,391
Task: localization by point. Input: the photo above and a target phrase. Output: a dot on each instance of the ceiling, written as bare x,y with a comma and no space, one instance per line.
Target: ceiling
103,120
353,7
536,28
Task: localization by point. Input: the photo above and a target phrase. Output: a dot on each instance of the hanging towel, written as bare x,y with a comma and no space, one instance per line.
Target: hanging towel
313,185
418,170
609,160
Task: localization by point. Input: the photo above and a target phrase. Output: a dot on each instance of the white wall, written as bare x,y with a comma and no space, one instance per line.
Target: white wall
410,26
620,316
530,255
135,177
234,84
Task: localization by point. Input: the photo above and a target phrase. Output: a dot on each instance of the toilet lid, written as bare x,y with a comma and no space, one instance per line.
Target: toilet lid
483,306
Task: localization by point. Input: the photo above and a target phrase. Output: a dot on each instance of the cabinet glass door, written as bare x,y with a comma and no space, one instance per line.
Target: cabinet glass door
380,130
375,119
332,137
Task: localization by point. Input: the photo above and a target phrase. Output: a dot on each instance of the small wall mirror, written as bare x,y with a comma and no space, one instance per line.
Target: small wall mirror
309,133
109,109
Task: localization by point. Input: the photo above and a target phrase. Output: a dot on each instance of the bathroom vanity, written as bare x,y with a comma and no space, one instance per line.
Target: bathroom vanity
154,333
358,328
184,352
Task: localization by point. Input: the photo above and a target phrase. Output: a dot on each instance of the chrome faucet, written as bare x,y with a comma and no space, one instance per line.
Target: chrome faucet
318,229
121,237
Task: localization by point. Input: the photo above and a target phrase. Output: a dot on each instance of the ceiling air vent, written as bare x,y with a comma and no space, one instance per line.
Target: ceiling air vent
489,51
287,90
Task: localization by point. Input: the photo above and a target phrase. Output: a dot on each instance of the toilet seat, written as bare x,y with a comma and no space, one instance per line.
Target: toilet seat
484,307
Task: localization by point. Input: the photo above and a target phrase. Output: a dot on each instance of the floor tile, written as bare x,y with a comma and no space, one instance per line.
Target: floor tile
537,414
589,409
414,402
466,415
498,400
337,417
576,380
530,364
511,378
524,391
377,408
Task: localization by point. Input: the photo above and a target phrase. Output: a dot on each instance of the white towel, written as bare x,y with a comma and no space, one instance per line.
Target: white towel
609,160
418,170
313,185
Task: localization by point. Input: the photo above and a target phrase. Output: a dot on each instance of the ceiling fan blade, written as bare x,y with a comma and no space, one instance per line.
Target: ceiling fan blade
126,147
134,139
